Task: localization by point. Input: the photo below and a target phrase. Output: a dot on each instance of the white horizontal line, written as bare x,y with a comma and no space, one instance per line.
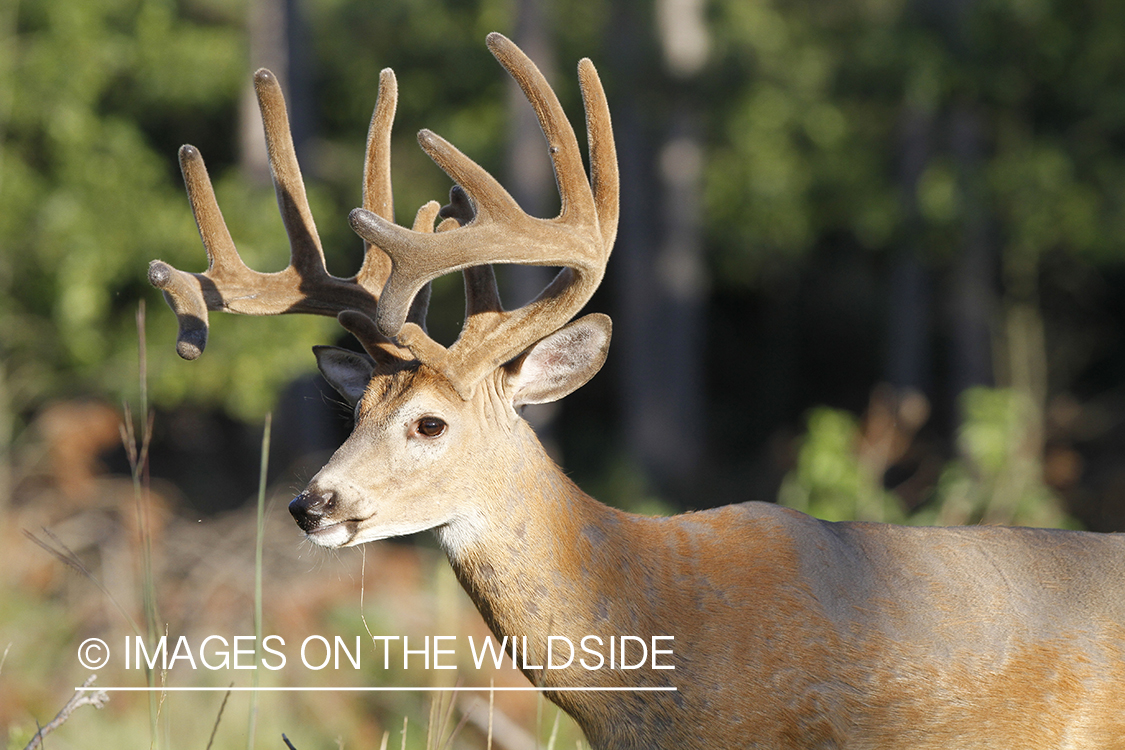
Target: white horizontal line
368,689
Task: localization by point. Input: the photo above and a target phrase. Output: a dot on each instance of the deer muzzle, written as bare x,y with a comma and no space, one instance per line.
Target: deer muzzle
310,508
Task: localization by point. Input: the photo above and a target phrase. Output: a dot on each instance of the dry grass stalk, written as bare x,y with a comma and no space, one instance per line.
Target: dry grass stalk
97,699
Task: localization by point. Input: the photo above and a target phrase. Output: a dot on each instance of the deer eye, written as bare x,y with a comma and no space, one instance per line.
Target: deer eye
430,427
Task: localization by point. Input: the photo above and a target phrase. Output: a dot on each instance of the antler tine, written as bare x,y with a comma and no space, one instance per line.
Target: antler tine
378,195
377,188
604,177
305,286
562,145
306,253
191,295
579,239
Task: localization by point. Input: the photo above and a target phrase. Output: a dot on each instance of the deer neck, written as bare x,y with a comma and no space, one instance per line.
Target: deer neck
545,559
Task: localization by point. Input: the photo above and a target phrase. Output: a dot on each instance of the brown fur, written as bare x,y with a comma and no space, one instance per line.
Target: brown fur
795,633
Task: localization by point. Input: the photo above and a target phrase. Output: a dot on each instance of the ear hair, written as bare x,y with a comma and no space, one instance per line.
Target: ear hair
559,364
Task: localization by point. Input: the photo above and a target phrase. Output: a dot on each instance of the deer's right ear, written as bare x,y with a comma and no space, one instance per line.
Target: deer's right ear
346,371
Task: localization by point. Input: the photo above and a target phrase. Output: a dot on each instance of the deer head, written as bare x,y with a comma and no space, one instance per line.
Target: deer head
426,415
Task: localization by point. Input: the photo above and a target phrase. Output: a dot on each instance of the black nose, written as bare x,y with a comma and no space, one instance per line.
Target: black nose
309,508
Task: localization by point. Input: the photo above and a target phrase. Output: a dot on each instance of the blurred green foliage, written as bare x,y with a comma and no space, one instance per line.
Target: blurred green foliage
996,476
810,105
805,107
892,124
95,96
831,479
806,112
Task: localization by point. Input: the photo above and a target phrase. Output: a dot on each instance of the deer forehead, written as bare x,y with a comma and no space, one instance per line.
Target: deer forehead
406,395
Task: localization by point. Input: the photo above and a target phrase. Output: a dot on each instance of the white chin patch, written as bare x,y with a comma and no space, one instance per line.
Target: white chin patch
336,535
457,536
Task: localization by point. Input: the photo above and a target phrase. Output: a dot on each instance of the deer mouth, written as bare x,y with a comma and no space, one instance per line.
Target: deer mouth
333,535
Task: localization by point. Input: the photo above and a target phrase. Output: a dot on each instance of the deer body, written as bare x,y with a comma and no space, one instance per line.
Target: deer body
789,632
786,631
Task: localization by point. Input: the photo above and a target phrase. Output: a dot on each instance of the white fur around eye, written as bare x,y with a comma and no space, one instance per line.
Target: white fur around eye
417,445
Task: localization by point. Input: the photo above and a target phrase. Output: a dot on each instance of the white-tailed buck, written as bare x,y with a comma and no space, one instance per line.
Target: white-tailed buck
786,631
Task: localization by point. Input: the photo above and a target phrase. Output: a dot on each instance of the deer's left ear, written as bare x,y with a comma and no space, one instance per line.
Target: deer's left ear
346,371
561,363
